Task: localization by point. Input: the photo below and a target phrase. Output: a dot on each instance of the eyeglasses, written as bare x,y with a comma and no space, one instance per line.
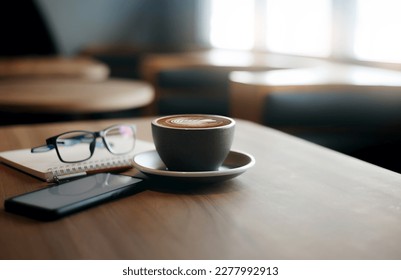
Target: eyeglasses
79,145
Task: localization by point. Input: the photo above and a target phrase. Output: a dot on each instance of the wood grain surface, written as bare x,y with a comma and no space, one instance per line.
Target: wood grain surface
300,201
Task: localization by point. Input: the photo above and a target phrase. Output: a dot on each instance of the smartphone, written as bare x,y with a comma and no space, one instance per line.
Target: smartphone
66,198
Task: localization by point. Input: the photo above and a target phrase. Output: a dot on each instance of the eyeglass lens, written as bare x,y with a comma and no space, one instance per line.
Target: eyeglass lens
75,146
79,145
120,139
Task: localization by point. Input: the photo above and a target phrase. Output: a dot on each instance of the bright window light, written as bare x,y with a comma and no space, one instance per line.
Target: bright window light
299,27
232,24
378,24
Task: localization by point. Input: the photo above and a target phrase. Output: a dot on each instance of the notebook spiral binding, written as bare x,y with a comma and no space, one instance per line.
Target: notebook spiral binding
82,168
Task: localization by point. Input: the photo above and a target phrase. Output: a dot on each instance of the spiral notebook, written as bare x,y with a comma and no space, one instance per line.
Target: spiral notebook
47,167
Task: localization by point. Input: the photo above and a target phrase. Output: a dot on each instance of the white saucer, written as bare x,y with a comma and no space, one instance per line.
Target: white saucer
235,164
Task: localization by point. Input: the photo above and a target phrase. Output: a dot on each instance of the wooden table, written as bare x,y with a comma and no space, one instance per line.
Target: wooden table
40,67
73,95
300,201
248,90
214,61
222,60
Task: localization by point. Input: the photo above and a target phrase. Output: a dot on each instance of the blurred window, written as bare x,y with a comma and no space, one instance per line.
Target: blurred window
342,29
376,30
299,27
232,24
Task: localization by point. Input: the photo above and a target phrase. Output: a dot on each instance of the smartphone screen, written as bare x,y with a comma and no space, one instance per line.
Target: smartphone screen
71,196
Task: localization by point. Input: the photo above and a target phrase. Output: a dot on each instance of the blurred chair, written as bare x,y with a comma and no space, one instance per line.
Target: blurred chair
124,61
201,91
343,120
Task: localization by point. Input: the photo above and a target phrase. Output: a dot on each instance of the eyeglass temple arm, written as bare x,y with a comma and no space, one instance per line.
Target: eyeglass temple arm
42,149
66,142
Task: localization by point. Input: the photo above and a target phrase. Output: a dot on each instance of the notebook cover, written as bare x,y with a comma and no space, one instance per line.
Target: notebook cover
47,166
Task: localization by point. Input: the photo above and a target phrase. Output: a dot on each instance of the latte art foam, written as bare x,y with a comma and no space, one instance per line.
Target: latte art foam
193,121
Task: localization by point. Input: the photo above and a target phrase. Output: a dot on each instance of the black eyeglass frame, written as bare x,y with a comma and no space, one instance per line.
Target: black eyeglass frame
51,142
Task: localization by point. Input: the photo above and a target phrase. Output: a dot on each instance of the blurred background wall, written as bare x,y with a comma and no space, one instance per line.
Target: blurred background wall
156,24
